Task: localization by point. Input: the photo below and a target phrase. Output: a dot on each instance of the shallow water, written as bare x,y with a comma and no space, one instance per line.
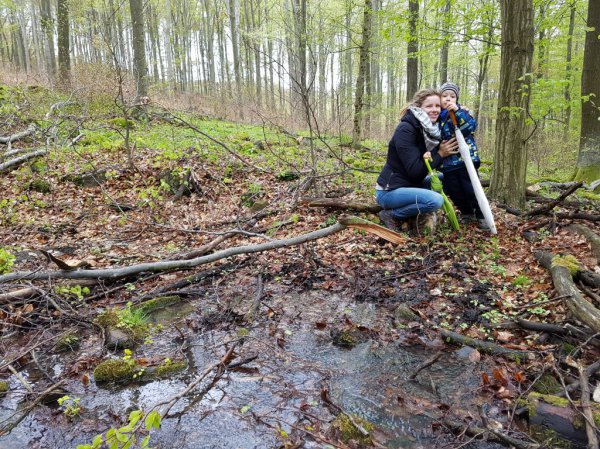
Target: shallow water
245,408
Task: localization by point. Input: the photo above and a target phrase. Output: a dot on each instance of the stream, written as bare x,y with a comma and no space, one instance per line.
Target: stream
275,397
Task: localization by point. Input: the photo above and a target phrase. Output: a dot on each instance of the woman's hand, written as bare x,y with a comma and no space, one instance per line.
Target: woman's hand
448,147
427,156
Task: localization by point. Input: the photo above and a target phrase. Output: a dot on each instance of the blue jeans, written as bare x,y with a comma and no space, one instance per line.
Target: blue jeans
406,202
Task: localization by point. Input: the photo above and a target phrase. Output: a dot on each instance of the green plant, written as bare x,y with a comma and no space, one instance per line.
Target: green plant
127,436
521,281
132,317
72,290
7,260
69,406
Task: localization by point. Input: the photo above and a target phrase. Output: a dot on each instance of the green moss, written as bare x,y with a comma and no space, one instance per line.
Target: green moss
588,174
547,384
107,318
121,122
114,370
549,399
348,431
169,367
3,387
548,437
40,185
569,262
39,166
590,195
345,338
68,342
152,305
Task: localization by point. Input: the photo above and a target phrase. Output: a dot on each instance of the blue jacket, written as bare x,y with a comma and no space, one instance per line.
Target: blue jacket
405,166
467,125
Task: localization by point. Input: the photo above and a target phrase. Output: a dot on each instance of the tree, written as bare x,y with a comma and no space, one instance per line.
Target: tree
64,53
588,161
136,9
362,73
510,157
412,65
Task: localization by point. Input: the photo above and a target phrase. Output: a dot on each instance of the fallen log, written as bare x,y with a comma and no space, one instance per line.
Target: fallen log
338,204
591,237
590,427
562,278
18,135
18,160
485,346
548,207
555,418
172,265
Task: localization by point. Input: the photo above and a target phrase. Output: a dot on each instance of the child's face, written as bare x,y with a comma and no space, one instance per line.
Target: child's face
448,97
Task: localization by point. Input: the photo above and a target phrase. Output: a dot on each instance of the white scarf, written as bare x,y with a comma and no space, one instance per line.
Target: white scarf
431,131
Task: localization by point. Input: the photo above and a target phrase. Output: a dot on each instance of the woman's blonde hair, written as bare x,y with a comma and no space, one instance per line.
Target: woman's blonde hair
418,99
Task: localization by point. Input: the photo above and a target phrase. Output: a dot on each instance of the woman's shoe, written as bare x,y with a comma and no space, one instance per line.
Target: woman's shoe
388,220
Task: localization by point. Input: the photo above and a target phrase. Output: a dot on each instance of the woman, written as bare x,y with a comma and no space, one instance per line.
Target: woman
400,189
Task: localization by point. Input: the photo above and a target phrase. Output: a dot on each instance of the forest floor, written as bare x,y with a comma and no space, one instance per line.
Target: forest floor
290,340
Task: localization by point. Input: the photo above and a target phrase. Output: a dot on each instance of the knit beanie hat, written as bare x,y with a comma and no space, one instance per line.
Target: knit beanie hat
450,86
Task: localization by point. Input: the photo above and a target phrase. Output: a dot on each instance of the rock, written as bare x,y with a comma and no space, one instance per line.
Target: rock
117,339
364,314
468,353
547,384
403,314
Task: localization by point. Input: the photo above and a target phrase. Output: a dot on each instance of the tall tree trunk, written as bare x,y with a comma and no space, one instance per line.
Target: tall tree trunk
412,63
136,8
443,70
510,157
588,161
64,52
569,70
362,74
234,11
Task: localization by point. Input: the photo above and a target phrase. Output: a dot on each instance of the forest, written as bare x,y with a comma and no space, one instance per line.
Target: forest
191,254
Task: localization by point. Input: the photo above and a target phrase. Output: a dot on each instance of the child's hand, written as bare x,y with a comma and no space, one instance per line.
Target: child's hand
427,156
452,107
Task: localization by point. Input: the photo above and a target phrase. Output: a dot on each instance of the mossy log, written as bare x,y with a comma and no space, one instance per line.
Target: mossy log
591,237
562,277
128,371
8,165
485,346
559,418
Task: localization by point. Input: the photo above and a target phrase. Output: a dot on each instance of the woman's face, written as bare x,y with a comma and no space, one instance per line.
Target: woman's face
431,106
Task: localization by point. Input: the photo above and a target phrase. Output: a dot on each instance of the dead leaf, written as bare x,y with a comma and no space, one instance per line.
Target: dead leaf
504,336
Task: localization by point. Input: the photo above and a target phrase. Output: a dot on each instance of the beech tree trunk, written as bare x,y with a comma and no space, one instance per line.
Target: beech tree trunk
412,64
64,52
136,8
362,73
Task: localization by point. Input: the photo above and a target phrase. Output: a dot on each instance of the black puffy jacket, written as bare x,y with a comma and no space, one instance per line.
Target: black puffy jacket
405,166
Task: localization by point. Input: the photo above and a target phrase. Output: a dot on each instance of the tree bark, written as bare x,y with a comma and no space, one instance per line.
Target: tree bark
588,161
510,156
136,9
569,69
64,52
412,63
362,73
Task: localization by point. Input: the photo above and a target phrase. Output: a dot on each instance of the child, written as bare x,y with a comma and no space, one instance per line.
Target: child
457,184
